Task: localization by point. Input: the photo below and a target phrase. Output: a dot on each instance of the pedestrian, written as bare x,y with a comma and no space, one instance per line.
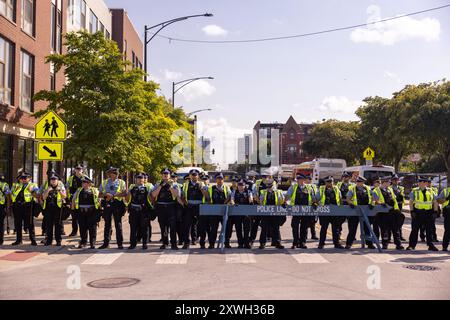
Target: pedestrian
53,197
112,191
242,196
329,194
421,200
86,204
166,194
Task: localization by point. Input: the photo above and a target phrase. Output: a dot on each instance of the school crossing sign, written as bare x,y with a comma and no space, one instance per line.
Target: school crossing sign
50,131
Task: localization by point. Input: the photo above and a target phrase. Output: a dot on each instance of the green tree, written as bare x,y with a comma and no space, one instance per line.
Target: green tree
334,139
113,115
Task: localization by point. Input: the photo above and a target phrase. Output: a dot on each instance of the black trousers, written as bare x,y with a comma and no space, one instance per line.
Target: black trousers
113,211
388,222
74,214
400,217
23,217
446,239
255,222
2,221
179,212
139,221
208,225
324,223
87,221
167,218
300,229
189,213
433,229
195,227
419,218
53,223
242,225
270,224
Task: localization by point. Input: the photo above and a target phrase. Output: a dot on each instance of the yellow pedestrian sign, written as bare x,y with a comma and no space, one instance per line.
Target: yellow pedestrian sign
51,127
50,151
369,154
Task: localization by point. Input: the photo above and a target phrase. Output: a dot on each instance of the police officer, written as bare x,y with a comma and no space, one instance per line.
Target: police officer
178,207
329,194
74,182
250,181
205,179
421,201
112,191
86,204
312,220
138,196
166,195
358,195
300,194
242,196
217,194
399,192
388,220
435,213
53,198
260,184
22,196
271,197
343,186
4,205
234,184
444,199
192,196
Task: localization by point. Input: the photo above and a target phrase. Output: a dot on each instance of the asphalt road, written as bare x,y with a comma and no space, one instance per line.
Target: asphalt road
64,273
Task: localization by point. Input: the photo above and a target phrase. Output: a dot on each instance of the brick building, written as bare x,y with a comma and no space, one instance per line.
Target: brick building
291,137
30,30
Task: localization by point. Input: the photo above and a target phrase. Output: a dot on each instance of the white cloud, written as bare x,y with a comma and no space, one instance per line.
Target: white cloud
197,89
214,30
172,75
392,75
341,104
393,31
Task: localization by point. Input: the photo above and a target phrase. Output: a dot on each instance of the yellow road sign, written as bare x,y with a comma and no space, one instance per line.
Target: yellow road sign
369,154
50,151
51,127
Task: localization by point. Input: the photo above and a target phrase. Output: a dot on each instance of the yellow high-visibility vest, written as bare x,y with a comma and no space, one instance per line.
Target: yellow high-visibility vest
95,192
355,198
294,194
422,203
277,194
337,192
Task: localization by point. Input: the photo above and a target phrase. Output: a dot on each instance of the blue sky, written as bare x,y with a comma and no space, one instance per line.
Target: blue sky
312,78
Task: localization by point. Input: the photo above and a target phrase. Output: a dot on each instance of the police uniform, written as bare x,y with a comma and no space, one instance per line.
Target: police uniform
166,209
86,205
300,195
74,182
388,221
139,215
113,209
343,187
271,197
435,215
255,221
52,208
241,223
358,196
329,195
399,192
209,225
4,193
22,205
192,196
444,197
422,214
312,220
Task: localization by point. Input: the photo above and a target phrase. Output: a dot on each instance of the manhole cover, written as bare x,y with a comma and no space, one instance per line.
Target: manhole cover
113,283
420,268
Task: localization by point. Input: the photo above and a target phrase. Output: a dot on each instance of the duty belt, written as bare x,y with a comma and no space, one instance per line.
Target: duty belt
137,207
86,208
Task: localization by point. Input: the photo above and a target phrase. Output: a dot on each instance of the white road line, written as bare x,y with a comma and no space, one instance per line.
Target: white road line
307,257
179,257
103,258
240,258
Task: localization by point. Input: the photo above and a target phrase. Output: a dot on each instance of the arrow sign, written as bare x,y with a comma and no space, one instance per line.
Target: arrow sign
50,151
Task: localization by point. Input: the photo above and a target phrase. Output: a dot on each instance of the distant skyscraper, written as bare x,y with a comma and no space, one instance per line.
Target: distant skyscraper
244,148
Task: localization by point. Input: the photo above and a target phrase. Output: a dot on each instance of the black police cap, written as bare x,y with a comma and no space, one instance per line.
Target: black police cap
87,179
194,172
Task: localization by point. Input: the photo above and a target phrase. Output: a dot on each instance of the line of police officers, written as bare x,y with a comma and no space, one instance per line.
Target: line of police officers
176,206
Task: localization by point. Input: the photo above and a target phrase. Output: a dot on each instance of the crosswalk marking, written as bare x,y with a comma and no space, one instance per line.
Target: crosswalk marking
307,257
102,258
240,258
179,257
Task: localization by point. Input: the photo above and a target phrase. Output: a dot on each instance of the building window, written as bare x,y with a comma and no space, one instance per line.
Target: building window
107,34
56,29
52,77
93,23
133,59
5,154
8,9
77,14
26,158
102,28
125,49
28,16
26,82
292,135
6,71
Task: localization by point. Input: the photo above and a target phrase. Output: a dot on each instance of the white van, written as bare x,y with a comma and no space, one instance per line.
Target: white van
321,168
371,172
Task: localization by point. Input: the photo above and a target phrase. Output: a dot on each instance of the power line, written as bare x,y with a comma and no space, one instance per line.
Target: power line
303,34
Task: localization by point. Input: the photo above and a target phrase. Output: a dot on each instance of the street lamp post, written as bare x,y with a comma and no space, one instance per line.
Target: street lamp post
185,83
161,26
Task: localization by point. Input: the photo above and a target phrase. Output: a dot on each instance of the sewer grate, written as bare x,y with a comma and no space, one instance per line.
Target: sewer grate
113,283
420,267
